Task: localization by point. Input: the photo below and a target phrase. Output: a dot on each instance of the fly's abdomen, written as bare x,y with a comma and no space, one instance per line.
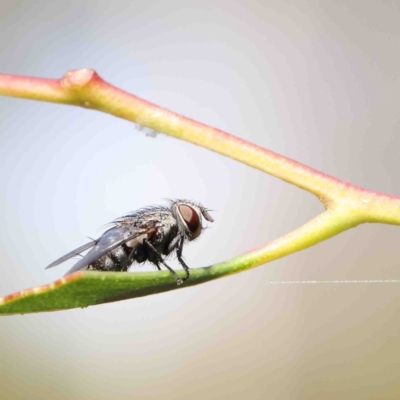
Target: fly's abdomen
116,260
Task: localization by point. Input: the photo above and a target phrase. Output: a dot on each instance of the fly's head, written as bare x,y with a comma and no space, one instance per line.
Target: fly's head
189,217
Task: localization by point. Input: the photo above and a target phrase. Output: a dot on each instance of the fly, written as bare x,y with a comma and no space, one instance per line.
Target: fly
144,235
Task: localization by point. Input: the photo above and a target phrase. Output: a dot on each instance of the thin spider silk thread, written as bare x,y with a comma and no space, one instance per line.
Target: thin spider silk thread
331,282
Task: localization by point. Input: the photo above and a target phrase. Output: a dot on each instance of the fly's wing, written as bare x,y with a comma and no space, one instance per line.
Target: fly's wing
72,253
111,239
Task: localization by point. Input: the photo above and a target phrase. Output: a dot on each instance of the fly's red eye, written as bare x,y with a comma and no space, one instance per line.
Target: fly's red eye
190,217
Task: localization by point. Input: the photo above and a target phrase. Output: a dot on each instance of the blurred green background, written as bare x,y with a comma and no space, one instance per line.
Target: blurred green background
317,81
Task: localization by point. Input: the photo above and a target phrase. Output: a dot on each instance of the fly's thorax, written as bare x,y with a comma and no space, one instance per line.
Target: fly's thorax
167,230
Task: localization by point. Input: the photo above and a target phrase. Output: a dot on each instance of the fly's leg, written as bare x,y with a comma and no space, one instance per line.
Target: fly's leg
161,261
180,259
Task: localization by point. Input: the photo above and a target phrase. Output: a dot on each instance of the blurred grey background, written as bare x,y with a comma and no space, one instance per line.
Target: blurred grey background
317,81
